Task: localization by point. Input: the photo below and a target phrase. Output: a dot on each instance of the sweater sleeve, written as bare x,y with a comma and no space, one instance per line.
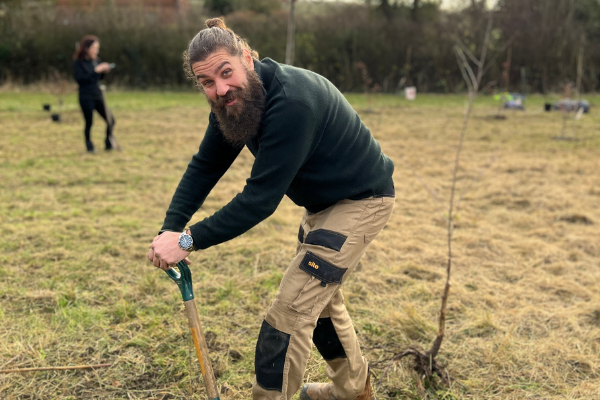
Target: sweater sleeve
213,159
289,130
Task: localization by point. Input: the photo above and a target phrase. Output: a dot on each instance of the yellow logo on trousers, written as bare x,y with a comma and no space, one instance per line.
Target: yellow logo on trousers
313,264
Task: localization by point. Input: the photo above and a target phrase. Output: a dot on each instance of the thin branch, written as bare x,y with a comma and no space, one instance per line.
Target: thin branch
8,371
491,62
488,85
484,49
464,47
460,60
468,73
256,261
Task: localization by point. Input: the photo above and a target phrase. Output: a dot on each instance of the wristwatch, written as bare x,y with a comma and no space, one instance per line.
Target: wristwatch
186,242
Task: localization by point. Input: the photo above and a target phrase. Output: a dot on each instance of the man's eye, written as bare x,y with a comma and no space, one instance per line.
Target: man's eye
226,72
207,83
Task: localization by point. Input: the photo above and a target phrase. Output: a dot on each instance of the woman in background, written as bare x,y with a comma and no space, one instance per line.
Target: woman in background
88,70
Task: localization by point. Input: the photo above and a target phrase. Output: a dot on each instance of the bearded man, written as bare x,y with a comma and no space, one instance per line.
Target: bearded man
310,145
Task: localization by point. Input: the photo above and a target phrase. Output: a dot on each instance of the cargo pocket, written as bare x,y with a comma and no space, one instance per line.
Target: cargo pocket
321,269
322,273
326,238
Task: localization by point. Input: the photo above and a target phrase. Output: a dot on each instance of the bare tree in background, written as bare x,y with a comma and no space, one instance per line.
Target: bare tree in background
579,112
576,108
289,49
415,10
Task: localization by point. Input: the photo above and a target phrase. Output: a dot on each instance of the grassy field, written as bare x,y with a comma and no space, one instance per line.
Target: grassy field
76,287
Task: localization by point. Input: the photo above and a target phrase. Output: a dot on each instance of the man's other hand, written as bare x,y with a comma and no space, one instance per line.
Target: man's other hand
165,252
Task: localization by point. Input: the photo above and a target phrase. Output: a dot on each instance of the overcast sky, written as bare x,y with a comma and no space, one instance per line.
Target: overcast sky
445,3
455,3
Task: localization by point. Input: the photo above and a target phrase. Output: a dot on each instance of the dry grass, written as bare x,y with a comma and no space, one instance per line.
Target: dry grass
75,287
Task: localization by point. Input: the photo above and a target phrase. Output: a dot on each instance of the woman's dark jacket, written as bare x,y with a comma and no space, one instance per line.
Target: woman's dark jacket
87,78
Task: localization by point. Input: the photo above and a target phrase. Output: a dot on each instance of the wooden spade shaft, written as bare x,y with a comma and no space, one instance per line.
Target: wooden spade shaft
201,349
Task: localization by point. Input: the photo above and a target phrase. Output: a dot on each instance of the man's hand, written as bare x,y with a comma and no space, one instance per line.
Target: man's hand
165,251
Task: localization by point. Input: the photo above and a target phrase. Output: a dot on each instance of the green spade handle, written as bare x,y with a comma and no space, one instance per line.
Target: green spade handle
183,279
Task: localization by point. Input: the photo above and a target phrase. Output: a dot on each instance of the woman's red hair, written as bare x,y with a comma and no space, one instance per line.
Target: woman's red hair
84,45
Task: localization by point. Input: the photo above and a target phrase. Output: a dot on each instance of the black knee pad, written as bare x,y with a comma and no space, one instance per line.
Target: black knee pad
327,341
271,348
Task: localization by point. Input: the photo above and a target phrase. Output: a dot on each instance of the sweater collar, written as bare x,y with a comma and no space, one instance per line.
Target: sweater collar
265,72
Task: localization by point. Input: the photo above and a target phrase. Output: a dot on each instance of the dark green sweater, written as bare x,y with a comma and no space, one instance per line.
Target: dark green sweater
312,147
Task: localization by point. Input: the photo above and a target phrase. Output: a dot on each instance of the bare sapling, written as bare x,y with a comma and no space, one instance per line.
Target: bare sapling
425,363
565,111
579,108
368,86
58,88
567,105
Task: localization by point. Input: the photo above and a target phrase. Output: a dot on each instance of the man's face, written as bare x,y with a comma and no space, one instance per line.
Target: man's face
234,92
221,75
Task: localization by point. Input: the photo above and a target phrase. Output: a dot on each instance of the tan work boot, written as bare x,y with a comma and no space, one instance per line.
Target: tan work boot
322,391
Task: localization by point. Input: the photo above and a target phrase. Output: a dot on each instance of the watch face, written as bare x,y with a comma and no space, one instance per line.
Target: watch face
185,241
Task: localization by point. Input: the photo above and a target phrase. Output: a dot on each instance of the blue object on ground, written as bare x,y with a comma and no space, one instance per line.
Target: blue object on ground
514,101
572,105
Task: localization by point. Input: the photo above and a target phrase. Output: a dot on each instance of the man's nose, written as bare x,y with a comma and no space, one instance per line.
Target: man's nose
222,88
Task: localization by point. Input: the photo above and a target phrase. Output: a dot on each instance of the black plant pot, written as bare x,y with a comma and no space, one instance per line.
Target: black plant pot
56,117
46,107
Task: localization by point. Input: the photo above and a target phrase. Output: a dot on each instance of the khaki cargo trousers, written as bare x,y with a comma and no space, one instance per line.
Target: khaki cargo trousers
310,307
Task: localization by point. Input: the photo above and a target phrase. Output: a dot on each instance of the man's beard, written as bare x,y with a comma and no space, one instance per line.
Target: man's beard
240,122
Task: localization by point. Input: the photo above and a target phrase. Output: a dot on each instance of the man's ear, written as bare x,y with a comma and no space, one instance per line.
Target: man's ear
248,60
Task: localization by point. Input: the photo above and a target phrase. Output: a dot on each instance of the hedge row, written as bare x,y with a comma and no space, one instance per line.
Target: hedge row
354,45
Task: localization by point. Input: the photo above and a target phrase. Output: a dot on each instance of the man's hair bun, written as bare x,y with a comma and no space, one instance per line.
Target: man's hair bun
215,22
209,40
